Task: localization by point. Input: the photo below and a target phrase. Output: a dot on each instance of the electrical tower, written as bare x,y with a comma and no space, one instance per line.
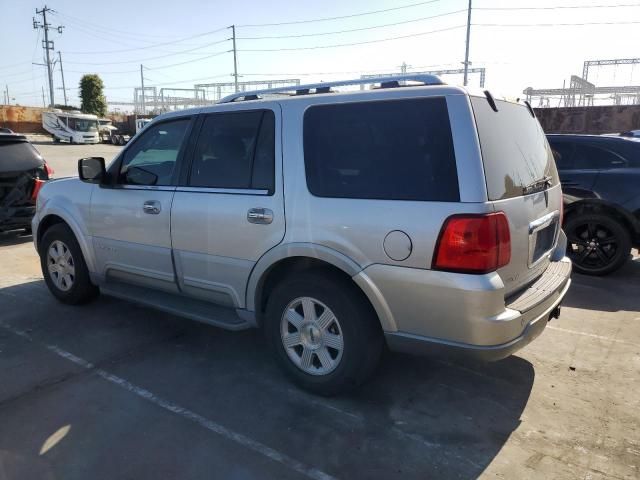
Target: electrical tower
47,45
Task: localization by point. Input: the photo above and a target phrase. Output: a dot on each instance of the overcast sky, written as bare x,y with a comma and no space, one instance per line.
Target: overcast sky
172,40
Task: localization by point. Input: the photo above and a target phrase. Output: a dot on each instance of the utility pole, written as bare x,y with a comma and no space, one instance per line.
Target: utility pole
64,88
47,45
44,104
8,102
466,50
235,58
142,81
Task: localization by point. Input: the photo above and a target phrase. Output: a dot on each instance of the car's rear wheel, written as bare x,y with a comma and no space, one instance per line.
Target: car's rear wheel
596,243
63,266
323,332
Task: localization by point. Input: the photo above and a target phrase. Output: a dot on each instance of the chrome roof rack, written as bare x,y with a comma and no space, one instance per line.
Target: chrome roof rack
325,87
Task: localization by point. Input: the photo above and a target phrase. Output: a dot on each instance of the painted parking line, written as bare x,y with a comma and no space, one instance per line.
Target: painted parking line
271,453
592,335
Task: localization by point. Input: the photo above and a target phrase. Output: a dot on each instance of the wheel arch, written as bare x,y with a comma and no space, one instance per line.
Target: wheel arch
284,260
62,217
600,206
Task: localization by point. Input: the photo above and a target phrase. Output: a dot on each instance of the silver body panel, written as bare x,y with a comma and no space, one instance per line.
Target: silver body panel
206,244
129,243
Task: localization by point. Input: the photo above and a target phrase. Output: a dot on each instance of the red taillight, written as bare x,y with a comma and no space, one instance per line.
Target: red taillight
49,170
473,243
37,185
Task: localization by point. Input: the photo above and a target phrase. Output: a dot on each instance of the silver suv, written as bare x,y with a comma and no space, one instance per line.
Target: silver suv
422,217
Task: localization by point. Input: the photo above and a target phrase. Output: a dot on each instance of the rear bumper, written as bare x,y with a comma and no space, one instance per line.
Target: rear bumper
419,345
19,217
425,311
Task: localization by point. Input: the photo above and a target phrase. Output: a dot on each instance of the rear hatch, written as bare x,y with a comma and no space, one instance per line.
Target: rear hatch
20,166
522,181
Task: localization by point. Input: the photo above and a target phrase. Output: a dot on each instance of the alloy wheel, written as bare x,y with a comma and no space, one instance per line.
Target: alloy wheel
592,245
60,265
311,336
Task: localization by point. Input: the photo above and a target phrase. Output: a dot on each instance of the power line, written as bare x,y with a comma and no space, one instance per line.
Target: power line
348,72
155,45
577,24
189,61
354,29
326,19
561,7
353,43
152,58
14,65
73,19
174,82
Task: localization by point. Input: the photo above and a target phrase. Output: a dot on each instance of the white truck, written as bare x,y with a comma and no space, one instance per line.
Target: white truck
71,126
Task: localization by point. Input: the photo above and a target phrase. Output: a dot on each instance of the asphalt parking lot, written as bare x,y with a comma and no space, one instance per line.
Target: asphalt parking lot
113,390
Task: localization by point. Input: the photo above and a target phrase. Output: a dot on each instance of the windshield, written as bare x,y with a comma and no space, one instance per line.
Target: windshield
515,152
83,125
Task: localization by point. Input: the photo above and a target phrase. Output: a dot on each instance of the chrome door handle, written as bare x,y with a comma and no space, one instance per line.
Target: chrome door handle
152,207
260,215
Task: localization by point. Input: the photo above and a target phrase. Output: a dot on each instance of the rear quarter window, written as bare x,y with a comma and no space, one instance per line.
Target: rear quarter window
391,150
515,151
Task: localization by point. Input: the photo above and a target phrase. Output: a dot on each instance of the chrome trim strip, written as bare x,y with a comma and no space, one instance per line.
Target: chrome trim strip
542,222
233,191
153,188
535,227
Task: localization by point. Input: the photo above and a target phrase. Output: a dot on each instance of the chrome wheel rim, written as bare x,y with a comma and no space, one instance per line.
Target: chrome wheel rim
61,266
311,336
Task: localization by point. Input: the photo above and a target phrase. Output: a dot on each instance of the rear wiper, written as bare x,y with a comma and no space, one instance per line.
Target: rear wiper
537,186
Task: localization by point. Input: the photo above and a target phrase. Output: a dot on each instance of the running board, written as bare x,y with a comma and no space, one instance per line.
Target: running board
176,304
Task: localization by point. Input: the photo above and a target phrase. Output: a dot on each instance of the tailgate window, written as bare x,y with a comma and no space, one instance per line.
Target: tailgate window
17,156
390,150
515,152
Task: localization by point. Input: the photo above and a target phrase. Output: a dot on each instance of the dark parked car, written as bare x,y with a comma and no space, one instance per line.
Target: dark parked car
600,178
23,171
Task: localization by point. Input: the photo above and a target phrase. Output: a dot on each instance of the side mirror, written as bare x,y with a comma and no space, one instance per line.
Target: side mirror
92,169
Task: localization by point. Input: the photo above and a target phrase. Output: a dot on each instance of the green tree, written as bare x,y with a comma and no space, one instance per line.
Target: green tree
92,96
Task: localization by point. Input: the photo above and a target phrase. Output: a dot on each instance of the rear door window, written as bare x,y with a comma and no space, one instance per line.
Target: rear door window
235,150
515,151
590,157
393,150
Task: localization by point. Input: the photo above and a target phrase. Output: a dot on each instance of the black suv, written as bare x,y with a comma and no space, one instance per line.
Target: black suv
23,171
600,178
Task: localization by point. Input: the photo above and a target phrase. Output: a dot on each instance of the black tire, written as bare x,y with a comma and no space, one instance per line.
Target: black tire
121,141
358,324
598,244
81,290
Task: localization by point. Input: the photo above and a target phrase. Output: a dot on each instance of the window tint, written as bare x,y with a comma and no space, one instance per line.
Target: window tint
515,151
154,154
592,157
18,156
235,150
396,150
562,153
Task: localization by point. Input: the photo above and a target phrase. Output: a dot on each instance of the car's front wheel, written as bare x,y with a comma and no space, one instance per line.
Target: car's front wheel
597,244
63,266
323,332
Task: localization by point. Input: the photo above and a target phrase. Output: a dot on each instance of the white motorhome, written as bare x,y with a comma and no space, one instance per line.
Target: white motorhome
71,126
